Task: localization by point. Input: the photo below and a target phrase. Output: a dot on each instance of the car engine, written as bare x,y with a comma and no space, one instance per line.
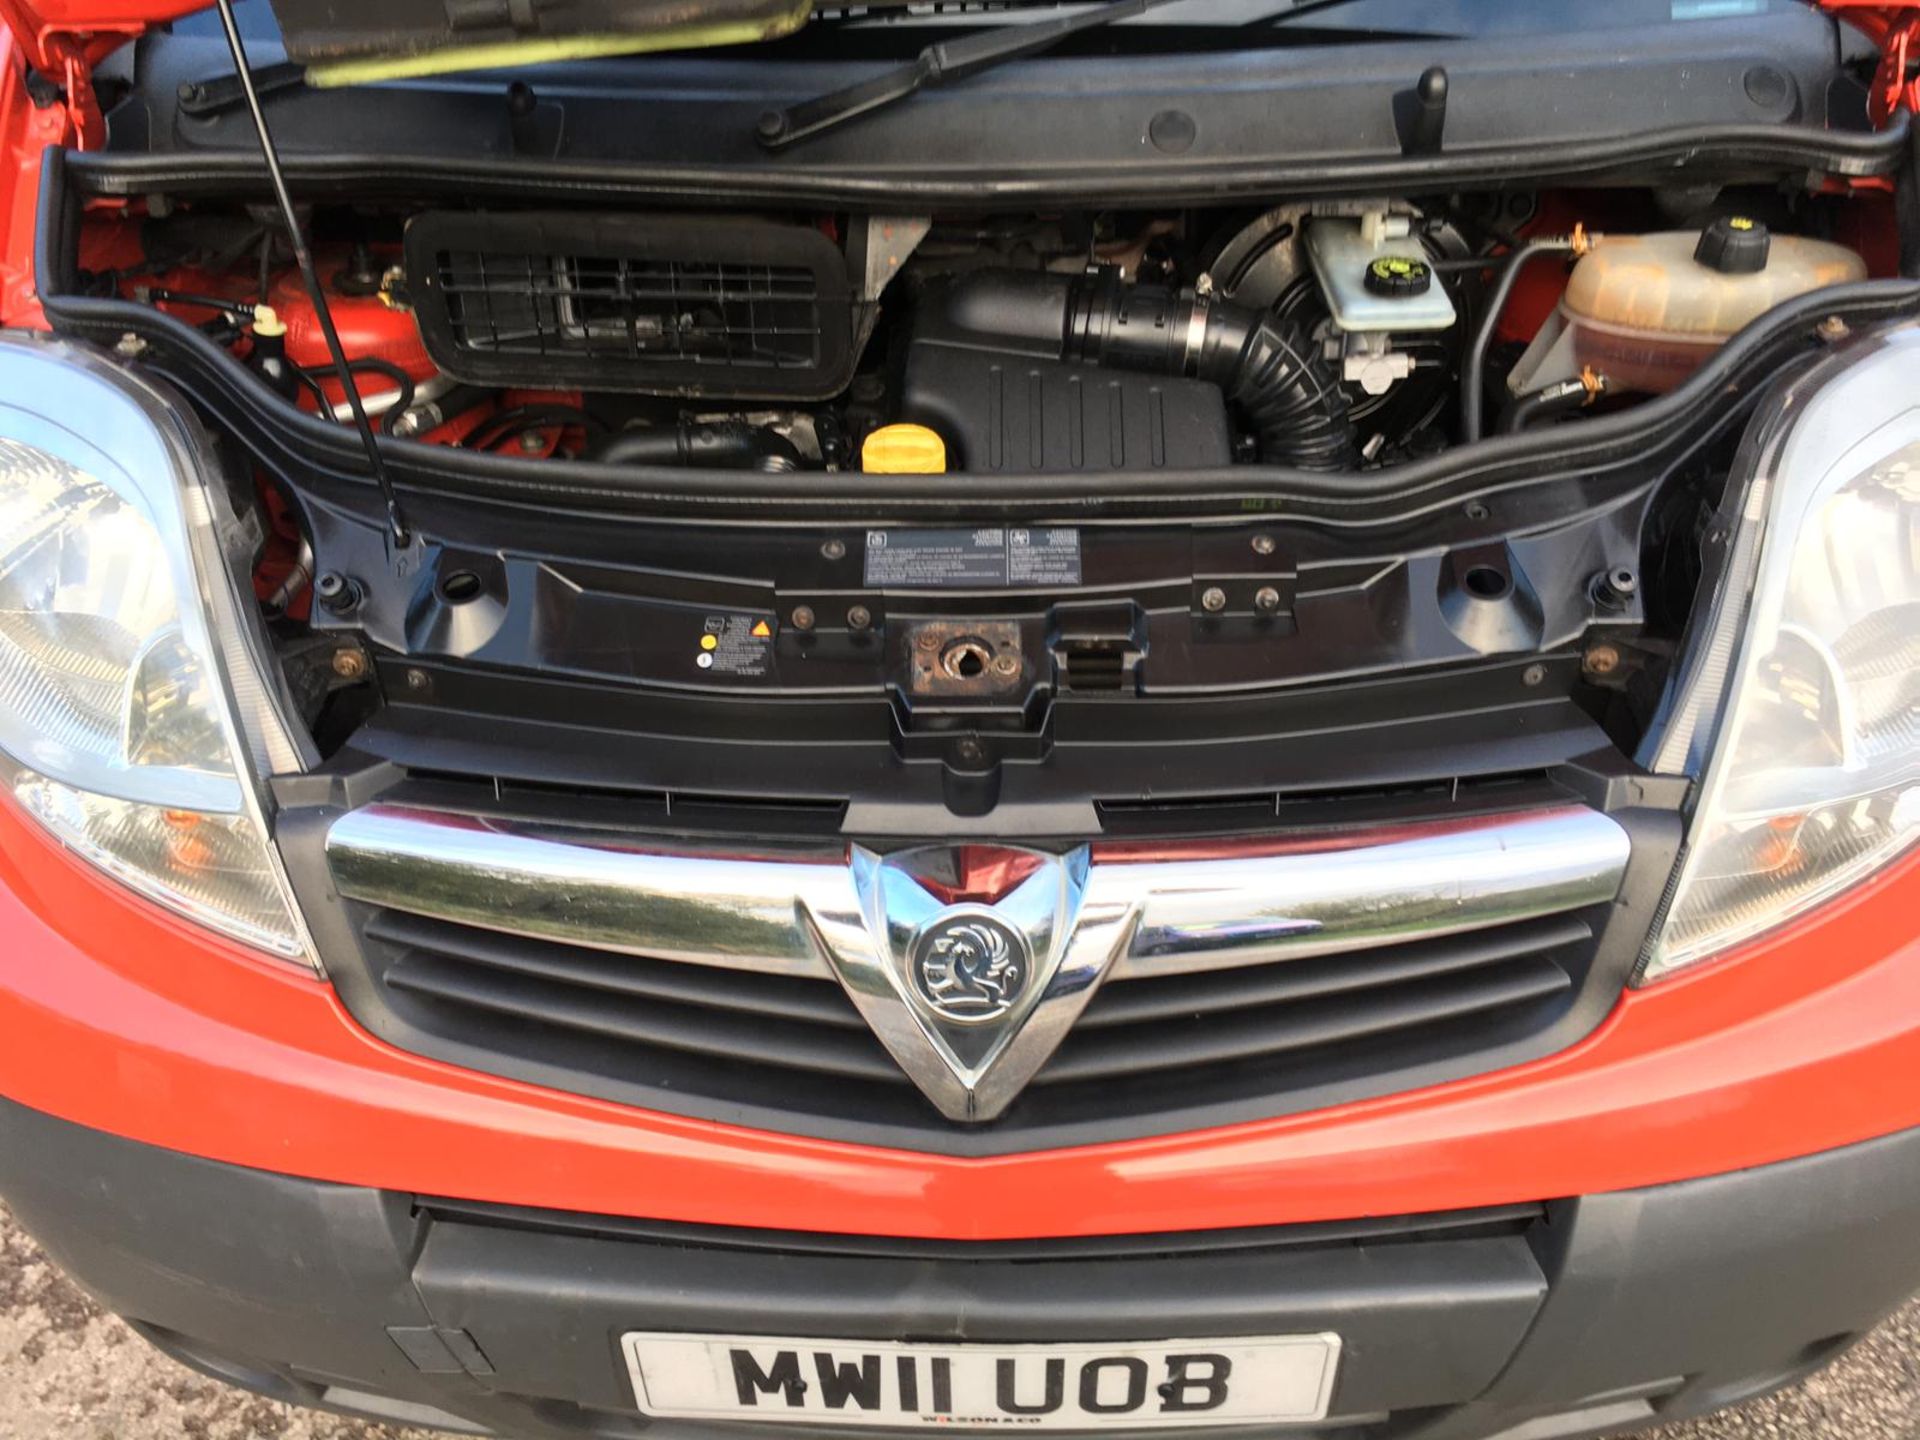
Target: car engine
1330,336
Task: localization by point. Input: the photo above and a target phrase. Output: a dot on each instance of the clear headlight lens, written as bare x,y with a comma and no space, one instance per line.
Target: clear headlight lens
1811,662
117,729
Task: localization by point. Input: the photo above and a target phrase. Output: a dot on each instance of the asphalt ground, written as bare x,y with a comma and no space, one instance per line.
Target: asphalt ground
68,1371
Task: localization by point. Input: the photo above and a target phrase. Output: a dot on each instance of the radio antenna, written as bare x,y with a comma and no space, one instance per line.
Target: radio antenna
396,522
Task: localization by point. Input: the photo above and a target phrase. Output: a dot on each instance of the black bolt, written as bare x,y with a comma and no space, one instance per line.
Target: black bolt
336,593
771,125
970,751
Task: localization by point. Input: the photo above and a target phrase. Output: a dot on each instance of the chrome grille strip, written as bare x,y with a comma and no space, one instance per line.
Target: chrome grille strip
757,913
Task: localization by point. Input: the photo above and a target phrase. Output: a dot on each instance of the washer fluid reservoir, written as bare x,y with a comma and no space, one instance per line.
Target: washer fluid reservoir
1646,310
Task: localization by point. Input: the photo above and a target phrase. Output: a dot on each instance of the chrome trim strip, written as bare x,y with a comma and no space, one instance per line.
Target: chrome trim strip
588,888
757,913
1216,914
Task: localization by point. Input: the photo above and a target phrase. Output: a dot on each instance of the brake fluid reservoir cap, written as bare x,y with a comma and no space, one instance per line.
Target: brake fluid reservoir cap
1396,276
1734,245
904,450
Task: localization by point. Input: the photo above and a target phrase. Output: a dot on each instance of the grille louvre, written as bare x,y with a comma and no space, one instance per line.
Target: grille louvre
718,306
1171,1041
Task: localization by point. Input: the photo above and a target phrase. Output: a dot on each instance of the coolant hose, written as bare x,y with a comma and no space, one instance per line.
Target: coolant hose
1564,397
1285,391
1473,375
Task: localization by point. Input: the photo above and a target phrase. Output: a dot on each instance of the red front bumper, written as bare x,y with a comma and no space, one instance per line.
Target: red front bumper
119,1017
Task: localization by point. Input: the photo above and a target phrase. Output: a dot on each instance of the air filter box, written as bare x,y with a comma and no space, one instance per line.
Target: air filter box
720,307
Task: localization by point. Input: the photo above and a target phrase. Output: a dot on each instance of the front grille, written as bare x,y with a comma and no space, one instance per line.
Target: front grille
662,1016
1493,1222
713,307
1191,1031
792,1052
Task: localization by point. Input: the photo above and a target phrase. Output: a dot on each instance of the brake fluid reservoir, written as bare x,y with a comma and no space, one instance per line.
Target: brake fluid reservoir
1646,310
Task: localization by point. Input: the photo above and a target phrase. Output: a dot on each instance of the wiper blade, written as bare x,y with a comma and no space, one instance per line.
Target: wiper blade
937,65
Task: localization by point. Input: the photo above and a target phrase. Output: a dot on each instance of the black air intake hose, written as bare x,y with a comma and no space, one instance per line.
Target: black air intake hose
1272,374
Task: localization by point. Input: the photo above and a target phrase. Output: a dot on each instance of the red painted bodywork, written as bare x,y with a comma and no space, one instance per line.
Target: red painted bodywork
1896,30
121,1017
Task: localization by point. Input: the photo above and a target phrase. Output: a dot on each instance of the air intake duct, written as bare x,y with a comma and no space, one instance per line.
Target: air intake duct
1273,376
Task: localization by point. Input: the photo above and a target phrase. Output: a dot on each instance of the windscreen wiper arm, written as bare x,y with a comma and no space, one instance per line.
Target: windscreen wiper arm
936,65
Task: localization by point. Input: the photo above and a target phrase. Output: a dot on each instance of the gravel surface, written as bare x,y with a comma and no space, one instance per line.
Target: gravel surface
69,1372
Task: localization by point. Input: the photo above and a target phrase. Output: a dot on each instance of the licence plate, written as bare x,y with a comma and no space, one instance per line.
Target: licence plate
1241,1381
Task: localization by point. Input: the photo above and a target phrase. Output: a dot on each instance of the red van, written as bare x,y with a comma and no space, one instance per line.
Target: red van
1180,715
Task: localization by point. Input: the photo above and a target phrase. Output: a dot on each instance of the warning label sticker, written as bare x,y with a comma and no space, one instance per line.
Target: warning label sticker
735,645
987,558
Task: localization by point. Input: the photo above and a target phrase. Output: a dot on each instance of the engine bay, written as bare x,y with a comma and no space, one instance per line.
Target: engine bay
1333,336
1337,336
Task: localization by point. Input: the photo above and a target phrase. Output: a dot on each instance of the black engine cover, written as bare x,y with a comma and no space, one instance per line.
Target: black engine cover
1000,411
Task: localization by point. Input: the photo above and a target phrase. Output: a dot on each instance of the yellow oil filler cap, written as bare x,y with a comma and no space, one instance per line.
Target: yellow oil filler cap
904,450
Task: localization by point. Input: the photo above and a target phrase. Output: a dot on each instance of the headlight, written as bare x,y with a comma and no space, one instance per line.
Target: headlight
1801,697
120,717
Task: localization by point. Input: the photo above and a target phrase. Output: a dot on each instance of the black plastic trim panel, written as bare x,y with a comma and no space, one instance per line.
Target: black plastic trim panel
1747,96
1748,151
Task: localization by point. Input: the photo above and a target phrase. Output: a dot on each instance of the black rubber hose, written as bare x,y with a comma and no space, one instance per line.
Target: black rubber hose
1284,389
1270,371
159,293
1473,375
386,369
1548,402
730,444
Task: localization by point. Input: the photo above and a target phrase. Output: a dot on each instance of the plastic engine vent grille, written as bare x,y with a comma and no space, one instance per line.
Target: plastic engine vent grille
694,306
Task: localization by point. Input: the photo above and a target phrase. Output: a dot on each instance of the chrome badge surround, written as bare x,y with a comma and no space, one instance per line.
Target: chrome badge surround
971,1063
